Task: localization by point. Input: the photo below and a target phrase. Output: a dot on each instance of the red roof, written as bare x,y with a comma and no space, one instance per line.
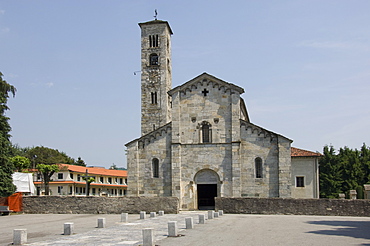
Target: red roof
81,183
295,152
94,170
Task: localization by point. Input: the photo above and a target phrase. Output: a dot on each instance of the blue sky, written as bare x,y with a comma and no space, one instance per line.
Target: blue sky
304,65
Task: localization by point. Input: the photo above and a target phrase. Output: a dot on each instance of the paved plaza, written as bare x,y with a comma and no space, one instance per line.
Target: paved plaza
229,229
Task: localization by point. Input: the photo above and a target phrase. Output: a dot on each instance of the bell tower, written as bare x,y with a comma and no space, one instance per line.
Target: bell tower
156,74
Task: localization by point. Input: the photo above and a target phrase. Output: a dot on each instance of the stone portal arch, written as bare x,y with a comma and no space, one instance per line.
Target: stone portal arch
207,182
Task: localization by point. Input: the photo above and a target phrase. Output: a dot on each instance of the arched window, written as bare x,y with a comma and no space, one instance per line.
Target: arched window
258,167
153,58
206,132
155,168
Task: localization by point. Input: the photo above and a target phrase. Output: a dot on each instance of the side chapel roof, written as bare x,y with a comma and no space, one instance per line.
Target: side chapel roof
295,152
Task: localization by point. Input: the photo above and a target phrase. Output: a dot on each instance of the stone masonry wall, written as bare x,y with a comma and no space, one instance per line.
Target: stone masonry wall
98,205
330,207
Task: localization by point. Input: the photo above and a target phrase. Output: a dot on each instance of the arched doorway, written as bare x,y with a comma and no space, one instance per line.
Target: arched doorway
207,188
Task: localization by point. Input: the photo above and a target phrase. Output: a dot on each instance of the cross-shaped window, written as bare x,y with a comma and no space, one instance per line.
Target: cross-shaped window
205,92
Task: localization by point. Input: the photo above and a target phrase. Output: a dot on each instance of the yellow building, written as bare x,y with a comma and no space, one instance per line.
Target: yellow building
69,181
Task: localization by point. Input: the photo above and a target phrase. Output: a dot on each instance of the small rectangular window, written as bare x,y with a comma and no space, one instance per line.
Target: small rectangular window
109,180
299,181
71,175
101,180
78,177
60,175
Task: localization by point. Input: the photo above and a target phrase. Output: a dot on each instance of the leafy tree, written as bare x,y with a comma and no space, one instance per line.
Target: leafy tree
345,171
80,162
20,162
330,174
47,171
48,156
6,167
88,180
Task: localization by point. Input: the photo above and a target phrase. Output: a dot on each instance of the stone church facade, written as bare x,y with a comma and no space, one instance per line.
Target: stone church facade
197,141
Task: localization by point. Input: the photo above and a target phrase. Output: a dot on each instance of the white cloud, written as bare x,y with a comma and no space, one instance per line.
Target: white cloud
5,30
334,45
49,84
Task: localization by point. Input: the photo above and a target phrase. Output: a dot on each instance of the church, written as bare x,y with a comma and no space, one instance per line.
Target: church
198,142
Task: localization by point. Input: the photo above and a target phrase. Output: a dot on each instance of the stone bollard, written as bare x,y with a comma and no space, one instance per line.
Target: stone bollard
124,217
189,223
152,214
211,214
172,229
68,228
216,214
342,196
148,239
142,215
202,219
19,236
161,213
221,212
101,223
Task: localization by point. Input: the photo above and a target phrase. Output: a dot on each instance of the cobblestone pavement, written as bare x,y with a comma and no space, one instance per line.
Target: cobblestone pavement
125,233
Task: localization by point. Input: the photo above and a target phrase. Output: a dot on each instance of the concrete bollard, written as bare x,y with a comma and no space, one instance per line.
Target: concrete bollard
68,228
172,229
216,214
19,236
124,217
211,214
221,212
161,213
202,219
142,215
101,223
148,239
152,214
189,223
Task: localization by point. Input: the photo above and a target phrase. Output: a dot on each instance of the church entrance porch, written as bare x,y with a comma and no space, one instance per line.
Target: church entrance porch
206,196
207,184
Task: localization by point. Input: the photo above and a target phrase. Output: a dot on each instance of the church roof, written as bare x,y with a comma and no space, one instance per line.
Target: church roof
205,78
153,22
295,152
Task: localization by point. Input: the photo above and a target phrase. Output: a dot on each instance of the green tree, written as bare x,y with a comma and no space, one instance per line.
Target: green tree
80,162
20,162
47,171
330,174
6,167
48,156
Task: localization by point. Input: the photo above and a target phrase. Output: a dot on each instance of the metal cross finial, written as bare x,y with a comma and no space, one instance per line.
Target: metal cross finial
155,14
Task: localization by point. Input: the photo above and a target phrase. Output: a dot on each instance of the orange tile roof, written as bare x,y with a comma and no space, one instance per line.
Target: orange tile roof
94,170
295,152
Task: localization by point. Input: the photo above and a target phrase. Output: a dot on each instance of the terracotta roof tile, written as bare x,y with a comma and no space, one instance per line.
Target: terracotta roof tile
295,152
95,170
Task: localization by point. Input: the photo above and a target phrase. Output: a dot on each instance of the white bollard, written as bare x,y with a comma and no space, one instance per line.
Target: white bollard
142,215
101,223
221,212
211,214
152,214
172,229
124,217
202,219
68,228
189,223
216,214
161,213
148,239
19,236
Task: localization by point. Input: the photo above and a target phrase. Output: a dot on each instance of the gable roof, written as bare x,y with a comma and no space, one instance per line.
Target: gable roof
295,152
205,78
94,170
